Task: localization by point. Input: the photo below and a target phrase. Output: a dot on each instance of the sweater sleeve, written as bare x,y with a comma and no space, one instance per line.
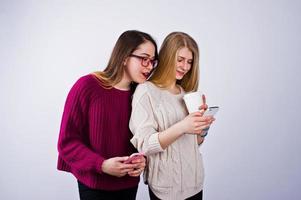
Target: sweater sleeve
143,123
73,132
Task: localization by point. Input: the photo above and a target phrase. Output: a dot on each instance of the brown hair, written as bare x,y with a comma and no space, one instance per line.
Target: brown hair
165,73
126,44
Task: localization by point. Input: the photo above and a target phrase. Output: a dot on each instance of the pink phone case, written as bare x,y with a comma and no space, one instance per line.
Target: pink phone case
133,157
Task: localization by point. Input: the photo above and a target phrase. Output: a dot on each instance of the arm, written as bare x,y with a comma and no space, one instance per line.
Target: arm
74,136
194,123
143,123
71,145
144,127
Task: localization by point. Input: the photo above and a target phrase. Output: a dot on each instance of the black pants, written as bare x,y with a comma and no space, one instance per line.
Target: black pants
86,193
198,196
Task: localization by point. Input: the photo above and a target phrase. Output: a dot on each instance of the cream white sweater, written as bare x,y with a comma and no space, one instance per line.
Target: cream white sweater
176,172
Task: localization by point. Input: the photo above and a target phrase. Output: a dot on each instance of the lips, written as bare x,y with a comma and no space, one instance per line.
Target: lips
146,74
180,73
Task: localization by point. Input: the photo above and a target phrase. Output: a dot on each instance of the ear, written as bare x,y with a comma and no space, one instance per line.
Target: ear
125,61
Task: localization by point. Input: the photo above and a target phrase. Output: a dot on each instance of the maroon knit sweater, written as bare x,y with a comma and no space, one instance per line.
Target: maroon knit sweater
95,127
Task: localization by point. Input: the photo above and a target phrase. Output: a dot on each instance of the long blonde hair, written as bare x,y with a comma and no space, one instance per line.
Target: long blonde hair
126,44
164,75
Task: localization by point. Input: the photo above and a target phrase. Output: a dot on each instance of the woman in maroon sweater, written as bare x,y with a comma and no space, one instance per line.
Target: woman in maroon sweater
94,138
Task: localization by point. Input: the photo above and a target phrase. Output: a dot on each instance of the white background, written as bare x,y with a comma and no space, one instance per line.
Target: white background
250,67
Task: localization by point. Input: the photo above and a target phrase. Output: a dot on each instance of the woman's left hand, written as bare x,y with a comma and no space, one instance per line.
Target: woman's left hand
141,163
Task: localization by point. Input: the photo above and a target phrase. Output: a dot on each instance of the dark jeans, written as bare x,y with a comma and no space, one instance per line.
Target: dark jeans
198,196
86,193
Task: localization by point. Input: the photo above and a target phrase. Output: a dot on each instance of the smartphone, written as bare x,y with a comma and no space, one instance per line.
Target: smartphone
133,157
211,111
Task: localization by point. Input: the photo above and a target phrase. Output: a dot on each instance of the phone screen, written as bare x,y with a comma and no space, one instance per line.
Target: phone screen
211,111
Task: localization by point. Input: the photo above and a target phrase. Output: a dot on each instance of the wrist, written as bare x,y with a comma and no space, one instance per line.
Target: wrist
179,127
104,166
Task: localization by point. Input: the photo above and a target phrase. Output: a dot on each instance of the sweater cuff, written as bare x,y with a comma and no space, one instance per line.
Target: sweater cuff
99,164
154,145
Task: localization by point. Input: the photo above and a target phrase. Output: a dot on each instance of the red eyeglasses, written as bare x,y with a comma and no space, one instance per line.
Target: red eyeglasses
145,61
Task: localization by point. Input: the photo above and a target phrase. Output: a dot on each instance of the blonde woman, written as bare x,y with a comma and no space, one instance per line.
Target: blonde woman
162,128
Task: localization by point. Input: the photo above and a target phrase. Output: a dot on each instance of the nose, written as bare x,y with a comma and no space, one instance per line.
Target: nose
185,65
150,66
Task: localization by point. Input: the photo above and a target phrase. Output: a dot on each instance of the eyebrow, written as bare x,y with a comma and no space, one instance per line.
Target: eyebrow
185,58
146,54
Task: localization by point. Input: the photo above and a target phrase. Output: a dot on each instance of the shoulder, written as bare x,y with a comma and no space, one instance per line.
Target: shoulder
86,83
86,80
147,90
84,87
148,86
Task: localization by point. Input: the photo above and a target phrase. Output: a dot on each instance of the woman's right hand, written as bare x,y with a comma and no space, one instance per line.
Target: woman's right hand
115,166
195,122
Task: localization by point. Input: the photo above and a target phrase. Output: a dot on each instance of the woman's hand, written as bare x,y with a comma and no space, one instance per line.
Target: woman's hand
141,162
115,166
195,122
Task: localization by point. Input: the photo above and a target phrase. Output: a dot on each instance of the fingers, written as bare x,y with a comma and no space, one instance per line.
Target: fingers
140,165
212,119
134,164
116,166
121,159
204,119
203,106
198,113
140,160
204,99
200,129
136,172
200,126
127,170
129,165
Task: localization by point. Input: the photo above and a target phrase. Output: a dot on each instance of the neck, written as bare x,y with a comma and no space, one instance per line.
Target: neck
124,84
173,88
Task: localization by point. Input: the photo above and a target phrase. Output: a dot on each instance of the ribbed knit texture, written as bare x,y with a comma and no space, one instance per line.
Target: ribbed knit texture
95,127
177,172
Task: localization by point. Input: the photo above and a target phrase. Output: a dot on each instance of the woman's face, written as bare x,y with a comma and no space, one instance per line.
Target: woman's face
184,62
140,63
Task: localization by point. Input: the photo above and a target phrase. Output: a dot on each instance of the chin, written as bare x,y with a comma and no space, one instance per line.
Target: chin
179,77
140,80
